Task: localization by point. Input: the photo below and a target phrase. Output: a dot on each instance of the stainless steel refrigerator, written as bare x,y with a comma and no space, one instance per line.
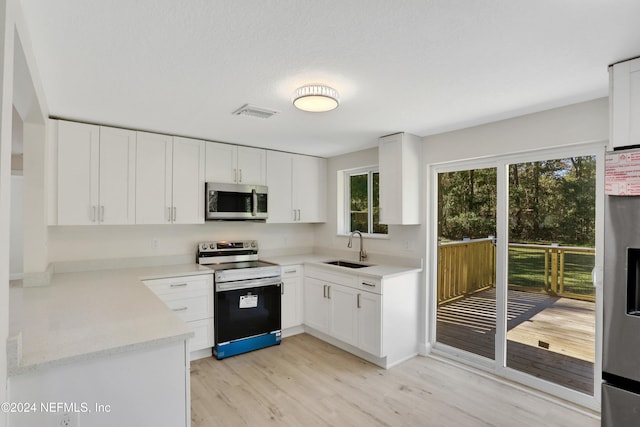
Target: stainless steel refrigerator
621,301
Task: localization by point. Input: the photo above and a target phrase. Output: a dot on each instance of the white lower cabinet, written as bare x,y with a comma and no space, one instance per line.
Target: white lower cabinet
191,298
292,304
369,322
343,316
316,304
375,318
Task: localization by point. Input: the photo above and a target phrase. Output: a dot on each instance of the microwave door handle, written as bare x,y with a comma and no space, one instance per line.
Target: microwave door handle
254,200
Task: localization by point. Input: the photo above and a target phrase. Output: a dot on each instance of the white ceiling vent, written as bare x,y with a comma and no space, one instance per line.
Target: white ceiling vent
253,111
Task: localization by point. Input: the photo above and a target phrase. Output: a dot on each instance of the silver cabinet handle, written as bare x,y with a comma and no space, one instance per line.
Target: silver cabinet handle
282,288
358,301
177,285
93,213
324,291
298,214
240,175
101,213
329,291
175,212
169,214
181,309
290,271
235,175
369,284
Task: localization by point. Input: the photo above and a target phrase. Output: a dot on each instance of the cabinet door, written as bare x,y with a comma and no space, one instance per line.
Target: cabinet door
399,161
221,162
291,296
188,181
369,323
153,178
279,173
316,314
117,176
343,314
309,188
78,157
625,103
252,166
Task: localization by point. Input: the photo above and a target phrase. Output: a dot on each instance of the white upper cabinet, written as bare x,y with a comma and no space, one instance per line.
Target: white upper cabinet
624,102
309,188
279,181
96,174
297,188
117,176
399,158
169,180
235,164
188,181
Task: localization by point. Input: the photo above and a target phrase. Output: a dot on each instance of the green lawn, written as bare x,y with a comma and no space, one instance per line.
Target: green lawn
526,268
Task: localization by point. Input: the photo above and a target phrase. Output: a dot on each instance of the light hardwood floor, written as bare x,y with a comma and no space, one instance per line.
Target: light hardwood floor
306,382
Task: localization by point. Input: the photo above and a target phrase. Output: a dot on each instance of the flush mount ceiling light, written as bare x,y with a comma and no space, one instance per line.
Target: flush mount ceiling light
316,98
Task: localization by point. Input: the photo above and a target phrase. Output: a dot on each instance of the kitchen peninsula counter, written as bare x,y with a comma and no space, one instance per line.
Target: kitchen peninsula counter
86,315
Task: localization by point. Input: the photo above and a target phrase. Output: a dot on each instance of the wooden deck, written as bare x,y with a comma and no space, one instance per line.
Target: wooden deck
549,337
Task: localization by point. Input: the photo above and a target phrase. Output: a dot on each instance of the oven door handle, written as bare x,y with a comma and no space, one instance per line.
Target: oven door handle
248,284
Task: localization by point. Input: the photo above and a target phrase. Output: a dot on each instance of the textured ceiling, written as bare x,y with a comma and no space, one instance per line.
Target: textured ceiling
424,67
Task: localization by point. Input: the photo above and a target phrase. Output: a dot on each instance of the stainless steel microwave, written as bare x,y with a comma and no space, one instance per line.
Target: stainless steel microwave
235,201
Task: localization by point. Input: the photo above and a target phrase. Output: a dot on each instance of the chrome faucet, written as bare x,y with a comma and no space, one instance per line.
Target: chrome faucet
363,253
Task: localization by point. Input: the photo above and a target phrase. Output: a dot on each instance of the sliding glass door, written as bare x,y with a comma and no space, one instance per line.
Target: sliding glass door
466,307
516,245
551,298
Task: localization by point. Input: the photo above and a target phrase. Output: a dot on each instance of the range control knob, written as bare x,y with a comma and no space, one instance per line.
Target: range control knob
253,244
212,246
204,246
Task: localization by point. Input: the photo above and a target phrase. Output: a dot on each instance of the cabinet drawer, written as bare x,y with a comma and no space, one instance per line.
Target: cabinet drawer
181,285
196,306
203,330
289,271
370,284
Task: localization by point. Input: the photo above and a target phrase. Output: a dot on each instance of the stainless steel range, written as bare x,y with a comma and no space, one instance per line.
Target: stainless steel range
247,297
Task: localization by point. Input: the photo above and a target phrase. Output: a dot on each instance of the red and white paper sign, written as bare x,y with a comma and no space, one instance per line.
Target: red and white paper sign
622,173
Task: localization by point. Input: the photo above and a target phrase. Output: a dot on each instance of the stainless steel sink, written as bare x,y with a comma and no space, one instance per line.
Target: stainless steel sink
347,264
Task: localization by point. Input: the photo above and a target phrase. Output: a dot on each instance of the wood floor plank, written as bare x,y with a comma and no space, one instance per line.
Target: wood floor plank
307,382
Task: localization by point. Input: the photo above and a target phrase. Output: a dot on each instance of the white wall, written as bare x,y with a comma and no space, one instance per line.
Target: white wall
113,241
583,122
6,71
16,266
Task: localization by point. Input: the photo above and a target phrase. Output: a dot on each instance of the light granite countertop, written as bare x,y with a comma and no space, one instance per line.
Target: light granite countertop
374,269
85,315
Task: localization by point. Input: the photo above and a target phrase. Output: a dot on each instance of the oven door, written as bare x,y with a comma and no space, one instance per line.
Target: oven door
236,201
247,308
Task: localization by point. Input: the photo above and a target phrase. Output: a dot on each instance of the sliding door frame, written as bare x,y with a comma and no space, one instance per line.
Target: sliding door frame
499,366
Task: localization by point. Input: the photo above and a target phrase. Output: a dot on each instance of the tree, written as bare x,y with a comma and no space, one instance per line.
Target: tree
549,201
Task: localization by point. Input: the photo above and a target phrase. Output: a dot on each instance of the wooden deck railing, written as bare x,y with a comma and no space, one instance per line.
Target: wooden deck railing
555,269
468,266
465,267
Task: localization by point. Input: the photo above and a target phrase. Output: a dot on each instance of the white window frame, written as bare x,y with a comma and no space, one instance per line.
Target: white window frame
344,208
